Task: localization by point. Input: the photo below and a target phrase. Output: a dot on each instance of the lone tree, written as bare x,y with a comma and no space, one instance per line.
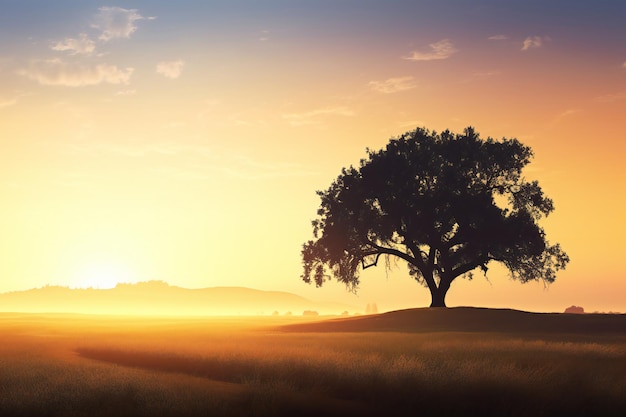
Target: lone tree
445,203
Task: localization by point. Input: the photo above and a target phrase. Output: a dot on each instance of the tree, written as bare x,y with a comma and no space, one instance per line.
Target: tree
444,203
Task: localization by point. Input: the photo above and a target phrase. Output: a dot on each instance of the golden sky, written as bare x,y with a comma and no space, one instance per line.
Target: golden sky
184,142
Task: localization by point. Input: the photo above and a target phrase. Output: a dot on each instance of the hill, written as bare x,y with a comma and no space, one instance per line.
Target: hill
470,319
159,298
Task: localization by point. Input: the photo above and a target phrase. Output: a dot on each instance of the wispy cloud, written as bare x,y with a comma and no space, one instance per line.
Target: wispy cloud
411,124
442,49
11,100
243,167
485,74
83,45
126,93
239,167
4,102
237,119
264,36
609,98
170,69
117,22
137,149
393,85
213,162
498,38
58,72
568,112
532,42
312,117
565,114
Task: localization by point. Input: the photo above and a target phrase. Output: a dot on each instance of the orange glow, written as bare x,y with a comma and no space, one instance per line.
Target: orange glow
177,150
103,275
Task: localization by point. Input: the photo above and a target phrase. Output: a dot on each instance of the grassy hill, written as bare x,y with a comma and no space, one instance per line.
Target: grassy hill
471,319
426,362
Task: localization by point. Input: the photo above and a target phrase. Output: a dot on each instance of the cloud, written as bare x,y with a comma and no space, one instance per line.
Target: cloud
126,93
12,99
83,45
411,124
568,112
237,166
170,69
439,50
137,149
532,42
485,74
186,174
624,64
393,85
7,102
609,98
498,38
564,115
116,22
57,72
246,168
213,161
265,35
311,117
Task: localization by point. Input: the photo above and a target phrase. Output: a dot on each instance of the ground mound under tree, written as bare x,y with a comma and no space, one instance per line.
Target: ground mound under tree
471,319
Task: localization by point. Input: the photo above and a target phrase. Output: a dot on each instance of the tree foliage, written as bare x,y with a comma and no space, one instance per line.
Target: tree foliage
445,203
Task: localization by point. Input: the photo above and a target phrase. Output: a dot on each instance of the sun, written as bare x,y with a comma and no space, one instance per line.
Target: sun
104,275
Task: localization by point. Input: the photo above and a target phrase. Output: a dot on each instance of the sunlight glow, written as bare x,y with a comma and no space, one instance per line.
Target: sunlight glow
104,275
144,143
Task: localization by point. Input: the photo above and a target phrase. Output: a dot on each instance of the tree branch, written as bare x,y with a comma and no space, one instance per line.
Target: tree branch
417,253
395,252
468,267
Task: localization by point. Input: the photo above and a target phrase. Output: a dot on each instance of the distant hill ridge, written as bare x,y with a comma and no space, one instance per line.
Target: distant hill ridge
160,298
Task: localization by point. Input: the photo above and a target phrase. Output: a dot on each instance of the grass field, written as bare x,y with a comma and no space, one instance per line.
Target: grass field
407,363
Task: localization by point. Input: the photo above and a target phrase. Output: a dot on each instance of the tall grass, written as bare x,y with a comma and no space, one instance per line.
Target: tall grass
150,367
433,374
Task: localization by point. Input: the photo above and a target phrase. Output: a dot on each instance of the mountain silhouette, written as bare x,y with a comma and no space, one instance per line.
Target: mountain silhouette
160,298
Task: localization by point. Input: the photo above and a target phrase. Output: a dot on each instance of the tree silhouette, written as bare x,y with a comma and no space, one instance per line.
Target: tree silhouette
445,203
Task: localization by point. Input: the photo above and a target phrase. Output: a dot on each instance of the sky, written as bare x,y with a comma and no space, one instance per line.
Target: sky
184,141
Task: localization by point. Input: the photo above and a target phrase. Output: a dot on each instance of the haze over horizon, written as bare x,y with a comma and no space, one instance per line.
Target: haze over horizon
147,140
158,298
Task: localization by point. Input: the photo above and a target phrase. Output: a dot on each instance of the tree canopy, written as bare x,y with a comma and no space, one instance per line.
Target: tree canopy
445,203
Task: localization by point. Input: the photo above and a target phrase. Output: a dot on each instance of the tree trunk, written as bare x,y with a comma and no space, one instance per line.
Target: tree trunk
438,295
438,299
